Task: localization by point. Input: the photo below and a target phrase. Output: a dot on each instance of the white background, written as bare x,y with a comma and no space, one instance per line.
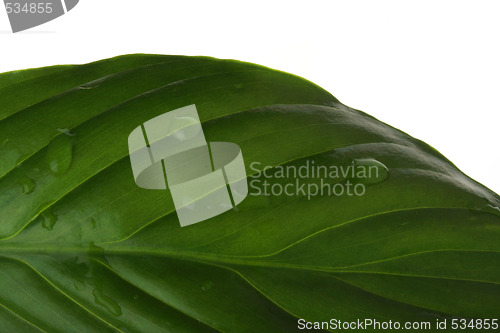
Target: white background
429,68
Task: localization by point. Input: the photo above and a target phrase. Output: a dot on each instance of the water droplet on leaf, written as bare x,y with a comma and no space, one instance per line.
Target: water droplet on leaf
369,171
65,131
107,302
79,285
491,209
207,285
60,154
88,86
20,160
27,184
49,219
184,128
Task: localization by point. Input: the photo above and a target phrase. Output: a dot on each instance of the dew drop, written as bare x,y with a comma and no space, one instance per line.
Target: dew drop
207,285
107,302
21,159
60,154
79,285
65,131
184,128
27,184
88,86
78,265
49,219
491,209
369,171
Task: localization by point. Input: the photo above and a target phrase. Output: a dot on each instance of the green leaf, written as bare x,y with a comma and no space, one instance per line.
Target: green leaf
84,249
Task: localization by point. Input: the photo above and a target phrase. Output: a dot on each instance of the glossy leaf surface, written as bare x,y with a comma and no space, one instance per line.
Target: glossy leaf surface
84,249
